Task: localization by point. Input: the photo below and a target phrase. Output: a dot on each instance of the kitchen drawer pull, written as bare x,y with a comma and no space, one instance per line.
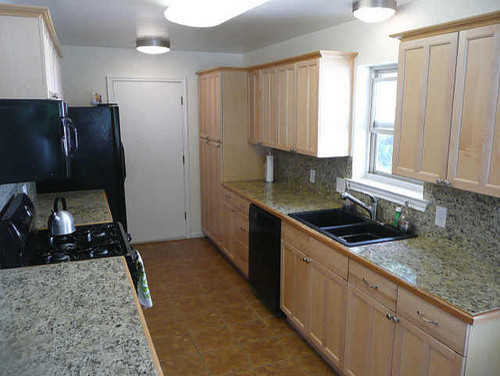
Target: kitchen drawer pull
390,316
371,285
307,260
242,229
425,319
228,197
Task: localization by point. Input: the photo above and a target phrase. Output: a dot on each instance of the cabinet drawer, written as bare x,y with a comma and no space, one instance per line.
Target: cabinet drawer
295,237
240,227
373,284
328,257
241,257
236,201
444,327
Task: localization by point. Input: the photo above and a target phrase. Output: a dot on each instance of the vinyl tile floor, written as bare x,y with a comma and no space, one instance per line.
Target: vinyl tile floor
206,321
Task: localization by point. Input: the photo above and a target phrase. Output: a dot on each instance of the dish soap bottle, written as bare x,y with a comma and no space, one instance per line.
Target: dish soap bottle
397,217
404,224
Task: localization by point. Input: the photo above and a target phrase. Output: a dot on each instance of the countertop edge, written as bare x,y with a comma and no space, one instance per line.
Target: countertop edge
149,340
453,310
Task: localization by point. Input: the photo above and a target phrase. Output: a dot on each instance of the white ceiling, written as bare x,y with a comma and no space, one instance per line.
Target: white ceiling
116,23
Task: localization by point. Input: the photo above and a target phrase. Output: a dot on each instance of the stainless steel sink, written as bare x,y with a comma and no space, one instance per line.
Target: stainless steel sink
348,228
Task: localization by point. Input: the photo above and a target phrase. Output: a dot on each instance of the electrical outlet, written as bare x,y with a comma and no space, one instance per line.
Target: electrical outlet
440,219
312,176
340,185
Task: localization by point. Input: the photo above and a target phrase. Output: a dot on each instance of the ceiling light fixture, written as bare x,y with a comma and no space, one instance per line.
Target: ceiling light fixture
204,13
374,10
152,45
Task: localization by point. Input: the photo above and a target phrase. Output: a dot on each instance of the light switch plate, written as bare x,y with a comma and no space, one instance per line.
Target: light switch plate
441,214
340,185
312,176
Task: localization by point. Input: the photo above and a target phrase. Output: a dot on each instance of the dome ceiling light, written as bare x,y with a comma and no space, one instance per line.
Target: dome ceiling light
152,45
207,13
374,10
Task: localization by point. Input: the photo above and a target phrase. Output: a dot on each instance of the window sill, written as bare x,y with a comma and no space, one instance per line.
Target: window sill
391,190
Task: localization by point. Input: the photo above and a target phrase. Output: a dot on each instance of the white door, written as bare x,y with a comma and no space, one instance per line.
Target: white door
152,131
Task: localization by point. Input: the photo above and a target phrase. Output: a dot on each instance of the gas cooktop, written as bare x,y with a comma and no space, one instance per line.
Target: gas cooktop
87,242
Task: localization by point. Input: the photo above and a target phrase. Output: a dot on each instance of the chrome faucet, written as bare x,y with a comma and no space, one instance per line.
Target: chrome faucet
372,209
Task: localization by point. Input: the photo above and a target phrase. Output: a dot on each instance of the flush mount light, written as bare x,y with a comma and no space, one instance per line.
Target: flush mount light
152,45
374,10
205,13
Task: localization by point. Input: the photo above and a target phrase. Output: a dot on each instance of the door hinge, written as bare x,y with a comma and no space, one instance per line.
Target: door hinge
182,101
185,216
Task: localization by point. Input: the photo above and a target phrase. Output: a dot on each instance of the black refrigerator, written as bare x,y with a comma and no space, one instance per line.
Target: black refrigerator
37,140
99,161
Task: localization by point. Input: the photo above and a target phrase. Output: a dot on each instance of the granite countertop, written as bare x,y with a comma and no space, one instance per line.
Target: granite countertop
76,318
87,207
464,276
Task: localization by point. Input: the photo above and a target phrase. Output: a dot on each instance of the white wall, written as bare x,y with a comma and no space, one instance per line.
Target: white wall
374,46
85,69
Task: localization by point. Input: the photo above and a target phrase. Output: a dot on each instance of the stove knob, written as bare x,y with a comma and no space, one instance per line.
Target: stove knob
129,238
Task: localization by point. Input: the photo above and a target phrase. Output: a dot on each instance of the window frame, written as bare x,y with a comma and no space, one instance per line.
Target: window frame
372,130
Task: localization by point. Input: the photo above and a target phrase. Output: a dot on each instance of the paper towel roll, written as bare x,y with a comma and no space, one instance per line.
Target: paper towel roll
269,168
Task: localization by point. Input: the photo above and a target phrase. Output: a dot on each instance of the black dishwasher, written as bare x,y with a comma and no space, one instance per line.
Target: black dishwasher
265,256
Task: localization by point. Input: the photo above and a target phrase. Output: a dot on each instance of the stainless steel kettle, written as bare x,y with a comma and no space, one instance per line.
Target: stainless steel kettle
61,221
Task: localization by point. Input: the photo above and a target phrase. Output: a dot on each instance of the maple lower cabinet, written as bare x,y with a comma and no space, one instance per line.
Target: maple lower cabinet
295,285
447,128
304,103
327,302
417,353
31,54
369,336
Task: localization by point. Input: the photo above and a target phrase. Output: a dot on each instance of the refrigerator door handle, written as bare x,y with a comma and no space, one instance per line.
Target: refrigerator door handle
74,130
124,166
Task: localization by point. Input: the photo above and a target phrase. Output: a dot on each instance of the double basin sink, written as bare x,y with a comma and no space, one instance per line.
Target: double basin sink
347,228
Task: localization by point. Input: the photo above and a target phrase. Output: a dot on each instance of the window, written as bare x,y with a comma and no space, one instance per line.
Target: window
382,117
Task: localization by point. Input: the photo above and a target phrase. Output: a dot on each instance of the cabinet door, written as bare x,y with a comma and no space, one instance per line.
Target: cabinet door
269,90
287,108
203,106
254,104
210,163
474,162
227,231
424,107
418,354
295,286
327,309
307,106
369,336
204,184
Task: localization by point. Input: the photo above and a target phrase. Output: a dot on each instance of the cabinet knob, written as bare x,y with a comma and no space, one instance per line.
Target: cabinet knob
293,150
439,181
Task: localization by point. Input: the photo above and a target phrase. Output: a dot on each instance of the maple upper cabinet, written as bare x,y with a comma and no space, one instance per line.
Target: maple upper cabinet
30,50
305,103
474,161
210,106
447,127
254,105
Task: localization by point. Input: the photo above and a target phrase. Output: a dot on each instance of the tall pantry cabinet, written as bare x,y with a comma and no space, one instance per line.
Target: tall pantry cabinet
225,154
30,54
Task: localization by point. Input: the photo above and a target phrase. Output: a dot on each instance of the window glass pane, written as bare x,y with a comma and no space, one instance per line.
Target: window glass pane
386,74
383,153
384,103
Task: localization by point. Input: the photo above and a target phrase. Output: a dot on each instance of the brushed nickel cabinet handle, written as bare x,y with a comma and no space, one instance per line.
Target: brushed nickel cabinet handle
306,260
426,320
371,285
390,316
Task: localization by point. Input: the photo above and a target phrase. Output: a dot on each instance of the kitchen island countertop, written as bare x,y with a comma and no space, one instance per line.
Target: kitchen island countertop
87,207
77,318
465,277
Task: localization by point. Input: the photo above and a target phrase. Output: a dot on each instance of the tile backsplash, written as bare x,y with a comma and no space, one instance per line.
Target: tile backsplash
472,219
7,190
